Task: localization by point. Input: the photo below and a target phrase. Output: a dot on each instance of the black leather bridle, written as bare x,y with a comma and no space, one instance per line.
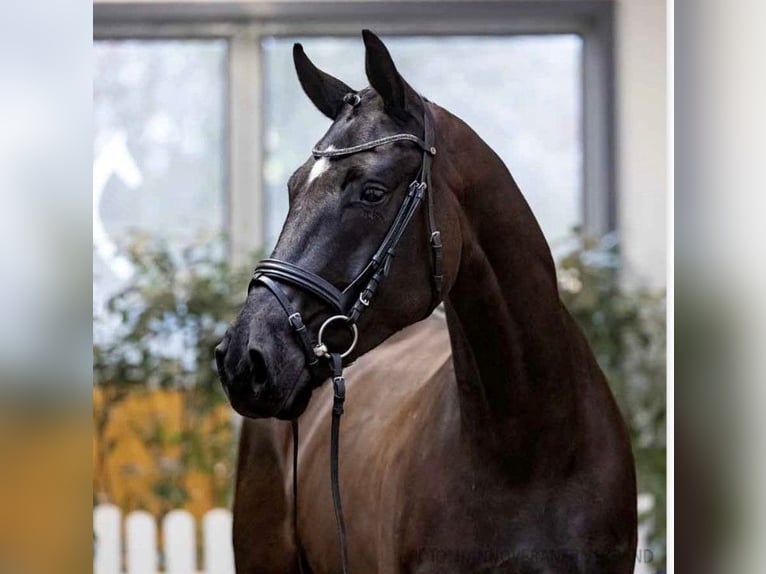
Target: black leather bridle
347,305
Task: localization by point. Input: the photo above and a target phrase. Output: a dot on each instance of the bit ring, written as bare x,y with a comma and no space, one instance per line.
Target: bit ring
321,349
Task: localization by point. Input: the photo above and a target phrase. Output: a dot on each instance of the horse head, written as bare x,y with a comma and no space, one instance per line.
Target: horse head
367,179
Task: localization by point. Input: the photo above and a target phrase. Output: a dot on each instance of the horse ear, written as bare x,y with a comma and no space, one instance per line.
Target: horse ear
325,91
383,75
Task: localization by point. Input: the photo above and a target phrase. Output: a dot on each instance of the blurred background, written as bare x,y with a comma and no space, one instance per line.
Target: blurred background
198,122
169,129
716,332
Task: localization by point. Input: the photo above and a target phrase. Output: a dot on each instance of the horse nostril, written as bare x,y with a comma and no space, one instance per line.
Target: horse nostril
258,366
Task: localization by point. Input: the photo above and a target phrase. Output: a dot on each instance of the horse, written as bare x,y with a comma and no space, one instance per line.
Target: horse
483,438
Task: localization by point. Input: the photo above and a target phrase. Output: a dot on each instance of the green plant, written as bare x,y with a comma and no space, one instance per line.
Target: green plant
626,330
160,331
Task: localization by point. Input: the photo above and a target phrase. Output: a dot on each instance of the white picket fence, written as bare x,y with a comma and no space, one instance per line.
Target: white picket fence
140,553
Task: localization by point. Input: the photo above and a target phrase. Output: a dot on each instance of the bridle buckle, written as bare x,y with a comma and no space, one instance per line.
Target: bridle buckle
352,98
296,321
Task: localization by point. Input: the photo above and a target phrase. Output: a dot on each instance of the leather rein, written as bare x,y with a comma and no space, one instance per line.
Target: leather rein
347,305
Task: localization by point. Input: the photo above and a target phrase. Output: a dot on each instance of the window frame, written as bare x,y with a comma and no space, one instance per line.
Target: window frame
245,24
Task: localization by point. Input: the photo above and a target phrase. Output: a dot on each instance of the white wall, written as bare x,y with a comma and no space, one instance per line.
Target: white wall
641,138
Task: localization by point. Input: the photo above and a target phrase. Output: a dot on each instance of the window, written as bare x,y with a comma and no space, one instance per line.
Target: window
159,148
521,94
204,98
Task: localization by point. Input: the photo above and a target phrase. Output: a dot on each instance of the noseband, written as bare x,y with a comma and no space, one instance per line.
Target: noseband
347,305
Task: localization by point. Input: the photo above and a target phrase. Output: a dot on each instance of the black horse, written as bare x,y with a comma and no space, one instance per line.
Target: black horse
486,442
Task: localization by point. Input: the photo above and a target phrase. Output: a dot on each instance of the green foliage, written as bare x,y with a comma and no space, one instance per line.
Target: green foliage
626,330
165,323
160,332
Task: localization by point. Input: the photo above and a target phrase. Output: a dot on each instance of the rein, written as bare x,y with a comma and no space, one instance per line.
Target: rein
349,304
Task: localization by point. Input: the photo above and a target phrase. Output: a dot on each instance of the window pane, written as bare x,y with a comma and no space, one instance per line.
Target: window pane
159,161
522,95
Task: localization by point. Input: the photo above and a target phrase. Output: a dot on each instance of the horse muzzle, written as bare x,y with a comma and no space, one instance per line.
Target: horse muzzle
255,389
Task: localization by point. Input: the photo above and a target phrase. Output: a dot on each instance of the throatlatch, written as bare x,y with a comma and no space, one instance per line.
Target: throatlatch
349,304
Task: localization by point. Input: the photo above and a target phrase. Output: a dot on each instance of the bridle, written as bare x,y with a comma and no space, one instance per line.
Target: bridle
347,305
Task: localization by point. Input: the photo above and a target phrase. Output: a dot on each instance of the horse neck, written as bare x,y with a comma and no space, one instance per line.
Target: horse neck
511,337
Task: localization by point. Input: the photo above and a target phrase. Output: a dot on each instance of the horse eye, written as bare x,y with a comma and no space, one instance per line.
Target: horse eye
373,195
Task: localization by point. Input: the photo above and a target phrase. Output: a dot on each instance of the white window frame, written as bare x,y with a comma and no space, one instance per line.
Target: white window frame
245,24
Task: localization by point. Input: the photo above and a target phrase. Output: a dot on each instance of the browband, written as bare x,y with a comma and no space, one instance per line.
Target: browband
373,144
